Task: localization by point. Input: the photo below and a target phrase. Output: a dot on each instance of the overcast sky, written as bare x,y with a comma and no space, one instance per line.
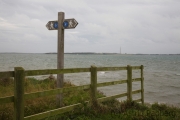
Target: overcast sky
137,26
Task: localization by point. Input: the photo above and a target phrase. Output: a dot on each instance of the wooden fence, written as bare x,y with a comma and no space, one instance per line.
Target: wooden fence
19,97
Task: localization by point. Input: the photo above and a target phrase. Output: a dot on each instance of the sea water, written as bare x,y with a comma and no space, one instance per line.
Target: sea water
161,72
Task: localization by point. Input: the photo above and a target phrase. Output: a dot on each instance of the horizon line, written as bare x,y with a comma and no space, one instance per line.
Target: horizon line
95,53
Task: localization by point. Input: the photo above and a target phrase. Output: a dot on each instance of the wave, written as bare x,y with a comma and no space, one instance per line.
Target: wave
102,72
178,74
173,86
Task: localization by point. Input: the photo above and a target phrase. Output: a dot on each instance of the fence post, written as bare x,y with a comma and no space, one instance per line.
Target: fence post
94,85
142,84
19,93
129,83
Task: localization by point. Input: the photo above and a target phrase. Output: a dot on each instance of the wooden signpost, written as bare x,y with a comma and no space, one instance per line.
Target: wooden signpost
67,24
60,25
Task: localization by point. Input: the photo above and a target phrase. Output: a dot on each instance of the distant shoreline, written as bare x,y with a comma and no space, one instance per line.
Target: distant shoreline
86,53
91,53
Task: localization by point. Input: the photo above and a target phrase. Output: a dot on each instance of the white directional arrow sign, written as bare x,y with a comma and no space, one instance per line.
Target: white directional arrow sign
70,23
67,24
52,25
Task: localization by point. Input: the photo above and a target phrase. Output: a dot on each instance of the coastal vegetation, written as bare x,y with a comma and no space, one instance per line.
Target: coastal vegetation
112,109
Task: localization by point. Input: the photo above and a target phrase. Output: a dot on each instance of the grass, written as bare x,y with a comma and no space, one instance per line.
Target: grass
112,109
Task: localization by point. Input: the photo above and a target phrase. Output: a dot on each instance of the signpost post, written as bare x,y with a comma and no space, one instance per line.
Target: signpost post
60,25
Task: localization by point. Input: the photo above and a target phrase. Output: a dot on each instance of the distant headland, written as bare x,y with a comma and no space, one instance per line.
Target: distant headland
94,53
87,53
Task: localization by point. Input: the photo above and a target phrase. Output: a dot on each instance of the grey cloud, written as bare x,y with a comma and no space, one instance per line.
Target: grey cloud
103,25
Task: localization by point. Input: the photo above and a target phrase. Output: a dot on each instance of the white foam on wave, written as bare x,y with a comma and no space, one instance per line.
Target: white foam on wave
102,72
178,74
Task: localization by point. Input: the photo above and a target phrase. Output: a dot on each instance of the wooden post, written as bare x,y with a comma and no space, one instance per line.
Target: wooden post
94,85
142,84
19,93
129,83
60,56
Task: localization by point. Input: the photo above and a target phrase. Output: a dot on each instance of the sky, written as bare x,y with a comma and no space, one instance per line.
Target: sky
135,26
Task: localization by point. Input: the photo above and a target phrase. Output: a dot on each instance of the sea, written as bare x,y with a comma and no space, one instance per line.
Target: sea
161,72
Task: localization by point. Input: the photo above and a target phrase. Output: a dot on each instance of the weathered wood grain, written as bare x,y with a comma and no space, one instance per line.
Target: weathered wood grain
19,93
55,71
111,68
142,84
111,97
94,85
53,112
111,83
6,74
8,99
129,83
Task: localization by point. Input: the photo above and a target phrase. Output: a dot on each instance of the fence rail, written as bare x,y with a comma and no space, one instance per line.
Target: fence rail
19,97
